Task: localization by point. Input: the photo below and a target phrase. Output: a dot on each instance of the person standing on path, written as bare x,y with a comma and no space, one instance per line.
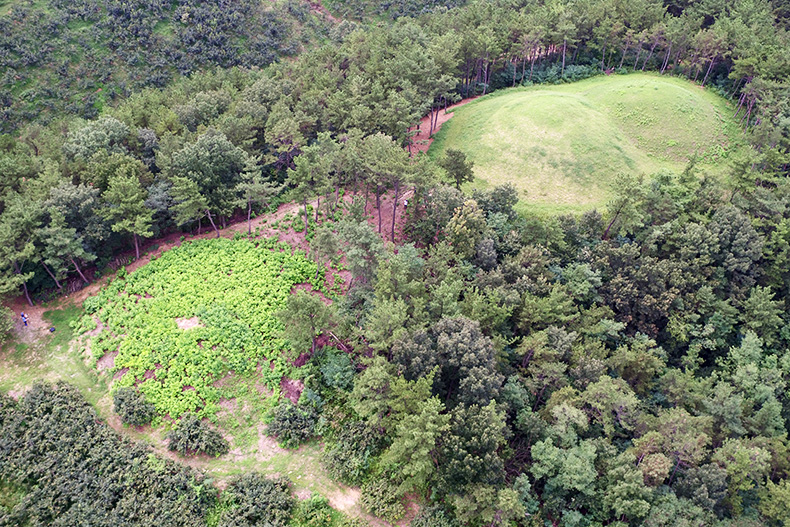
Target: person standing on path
24,318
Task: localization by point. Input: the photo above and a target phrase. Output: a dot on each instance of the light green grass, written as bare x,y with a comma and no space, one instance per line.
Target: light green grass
562,146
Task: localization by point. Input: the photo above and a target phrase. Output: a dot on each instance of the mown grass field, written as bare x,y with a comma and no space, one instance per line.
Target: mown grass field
562,146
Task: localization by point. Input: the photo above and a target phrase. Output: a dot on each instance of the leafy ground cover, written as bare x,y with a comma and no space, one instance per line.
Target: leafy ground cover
563,146
200,311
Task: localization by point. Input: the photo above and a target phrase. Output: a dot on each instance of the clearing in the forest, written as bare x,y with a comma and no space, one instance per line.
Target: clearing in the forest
563,146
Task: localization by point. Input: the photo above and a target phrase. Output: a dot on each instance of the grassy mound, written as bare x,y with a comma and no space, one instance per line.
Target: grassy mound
202,310
562,146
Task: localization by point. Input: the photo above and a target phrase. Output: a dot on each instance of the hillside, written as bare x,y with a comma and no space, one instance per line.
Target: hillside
68,57
563,146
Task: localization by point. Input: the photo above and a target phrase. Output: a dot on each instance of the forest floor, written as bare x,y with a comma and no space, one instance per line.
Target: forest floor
563,146
37,354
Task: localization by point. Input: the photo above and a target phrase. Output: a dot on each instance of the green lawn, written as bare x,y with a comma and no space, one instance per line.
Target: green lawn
563,145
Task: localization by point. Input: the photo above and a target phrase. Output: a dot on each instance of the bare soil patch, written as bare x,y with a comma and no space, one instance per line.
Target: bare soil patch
189,323
107,362
291,389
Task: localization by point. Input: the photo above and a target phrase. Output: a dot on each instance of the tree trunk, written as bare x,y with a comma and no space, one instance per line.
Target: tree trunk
666,59
485,76
378,203
513,64
46,268
136,246
317,208
603,57
249,215
395,208
18,270
27,294
652,49
208,213
79,271
564,46
638,53
625,52
304,203
712,62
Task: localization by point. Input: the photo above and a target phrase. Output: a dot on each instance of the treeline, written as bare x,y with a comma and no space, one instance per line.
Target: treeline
222,143
63,57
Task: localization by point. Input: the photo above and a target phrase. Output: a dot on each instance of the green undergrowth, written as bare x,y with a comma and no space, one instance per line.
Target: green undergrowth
181,324
563,146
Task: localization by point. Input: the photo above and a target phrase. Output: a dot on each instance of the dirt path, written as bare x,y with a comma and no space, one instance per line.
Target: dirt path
422,141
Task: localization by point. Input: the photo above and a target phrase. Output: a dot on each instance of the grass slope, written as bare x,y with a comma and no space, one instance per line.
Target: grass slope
562,146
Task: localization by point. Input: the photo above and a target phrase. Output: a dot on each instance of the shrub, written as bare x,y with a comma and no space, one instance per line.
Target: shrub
193,436
348,459
313,512
381,498
7,318
433,517
255,500
291,425
338,371
132,407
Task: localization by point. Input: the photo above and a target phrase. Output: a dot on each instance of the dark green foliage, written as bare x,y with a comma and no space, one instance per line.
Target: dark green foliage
433,517
469,452
132,407
7,323
252,499
193,436
349,458
381,498
75,470
292,425
337,370
458,169
78,57
313,512
467,367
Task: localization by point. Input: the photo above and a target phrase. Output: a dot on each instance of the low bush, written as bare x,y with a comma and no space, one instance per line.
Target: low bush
313,512
193,436
348,459
132,407
292,425
252,499
381,498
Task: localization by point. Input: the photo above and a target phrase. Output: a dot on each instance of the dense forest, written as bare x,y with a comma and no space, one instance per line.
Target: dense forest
619,367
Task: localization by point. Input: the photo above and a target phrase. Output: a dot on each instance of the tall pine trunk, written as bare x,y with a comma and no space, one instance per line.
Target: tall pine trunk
249,215
79,271
18,270
49,272
304,203
712,62
136,245
208,213
395,208
564,46
378,203
625,52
